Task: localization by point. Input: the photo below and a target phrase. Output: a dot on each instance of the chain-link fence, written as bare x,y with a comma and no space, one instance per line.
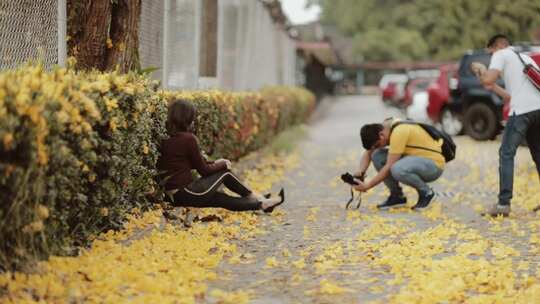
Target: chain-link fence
182,45
252,50
151,36
168,40
28,31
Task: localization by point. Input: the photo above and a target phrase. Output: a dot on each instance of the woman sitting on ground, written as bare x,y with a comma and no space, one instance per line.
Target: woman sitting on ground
180,154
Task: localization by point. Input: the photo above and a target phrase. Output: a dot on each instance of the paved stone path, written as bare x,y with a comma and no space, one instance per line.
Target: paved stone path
317,231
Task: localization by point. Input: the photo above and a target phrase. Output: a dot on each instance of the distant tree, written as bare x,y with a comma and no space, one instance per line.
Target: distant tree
435,29
103,34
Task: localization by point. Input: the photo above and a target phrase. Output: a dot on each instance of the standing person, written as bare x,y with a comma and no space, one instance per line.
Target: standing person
180,154
413,158
524,119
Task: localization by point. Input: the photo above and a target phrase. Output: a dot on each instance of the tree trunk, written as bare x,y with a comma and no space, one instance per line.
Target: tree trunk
208,43
92,45
124,34
104,34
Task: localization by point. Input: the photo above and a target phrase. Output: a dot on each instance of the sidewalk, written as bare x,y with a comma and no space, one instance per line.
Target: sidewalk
320,253
313,250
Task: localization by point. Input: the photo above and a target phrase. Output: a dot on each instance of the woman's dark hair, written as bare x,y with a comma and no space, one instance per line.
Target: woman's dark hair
180,117
370,135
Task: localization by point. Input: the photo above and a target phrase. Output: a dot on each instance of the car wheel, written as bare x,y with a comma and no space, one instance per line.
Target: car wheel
451,123
481,122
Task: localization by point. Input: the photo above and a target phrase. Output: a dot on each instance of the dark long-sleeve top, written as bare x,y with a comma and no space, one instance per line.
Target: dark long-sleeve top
179,155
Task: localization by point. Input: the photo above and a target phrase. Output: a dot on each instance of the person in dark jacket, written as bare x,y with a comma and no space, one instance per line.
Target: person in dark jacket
180,154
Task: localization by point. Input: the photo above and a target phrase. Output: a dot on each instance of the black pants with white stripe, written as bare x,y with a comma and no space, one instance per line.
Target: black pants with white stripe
204,192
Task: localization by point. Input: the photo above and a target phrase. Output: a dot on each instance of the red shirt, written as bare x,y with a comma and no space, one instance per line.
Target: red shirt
179,155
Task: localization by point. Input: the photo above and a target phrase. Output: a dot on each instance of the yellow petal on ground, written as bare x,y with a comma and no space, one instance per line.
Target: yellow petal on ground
285,252
237,297
300,263
327,287
271,262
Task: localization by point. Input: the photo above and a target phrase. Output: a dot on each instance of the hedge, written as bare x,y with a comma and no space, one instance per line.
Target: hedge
232,124
78,150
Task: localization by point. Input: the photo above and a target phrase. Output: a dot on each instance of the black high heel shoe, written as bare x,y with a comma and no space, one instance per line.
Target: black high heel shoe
282,199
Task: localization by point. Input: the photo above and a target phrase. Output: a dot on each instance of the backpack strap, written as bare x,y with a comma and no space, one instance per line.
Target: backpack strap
520,58
411,146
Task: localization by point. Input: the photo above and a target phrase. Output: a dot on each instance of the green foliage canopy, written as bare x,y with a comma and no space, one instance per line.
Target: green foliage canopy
429,30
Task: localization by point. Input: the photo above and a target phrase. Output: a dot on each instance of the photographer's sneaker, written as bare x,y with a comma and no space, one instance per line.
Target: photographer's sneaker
393,201
498,210
424,200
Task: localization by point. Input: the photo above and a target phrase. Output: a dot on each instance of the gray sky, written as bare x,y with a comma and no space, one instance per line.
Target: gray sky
296,12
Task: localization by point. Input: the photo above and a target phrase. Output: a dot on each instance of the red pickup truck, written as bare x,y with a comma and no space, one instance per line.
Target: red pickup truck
439,93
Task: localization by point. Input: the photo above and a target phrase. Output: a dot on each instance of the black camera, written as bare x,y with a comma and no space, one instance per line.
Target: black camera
349,178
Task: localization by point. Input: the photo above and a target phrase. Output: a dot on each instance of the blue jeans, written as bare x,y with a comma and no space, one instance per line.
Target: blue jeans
519,127
413,171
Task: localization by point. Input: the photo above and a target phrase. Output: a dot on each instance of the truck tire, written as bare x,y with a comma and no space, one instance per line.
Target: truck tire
481,121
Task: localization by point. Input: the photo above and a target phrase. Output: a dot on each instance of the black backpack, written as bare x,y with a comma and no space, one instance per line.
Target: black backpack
448,147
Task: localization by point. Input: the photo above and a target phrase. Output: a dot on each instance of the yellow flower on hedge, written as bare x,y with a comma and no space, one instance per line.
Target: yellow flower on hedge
2,95
33,227
86,126
8,170
92,177
74,114
42,211
128,89
22,98
112,124
103,86
8,140
111,103
77,129
35,84
43,157
139,107
145,149
90,106
34,112
104,211
62,116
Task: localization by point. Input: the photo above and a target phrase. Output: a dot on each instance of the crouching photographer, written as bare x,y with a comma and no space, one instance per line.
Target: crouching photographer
414,157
